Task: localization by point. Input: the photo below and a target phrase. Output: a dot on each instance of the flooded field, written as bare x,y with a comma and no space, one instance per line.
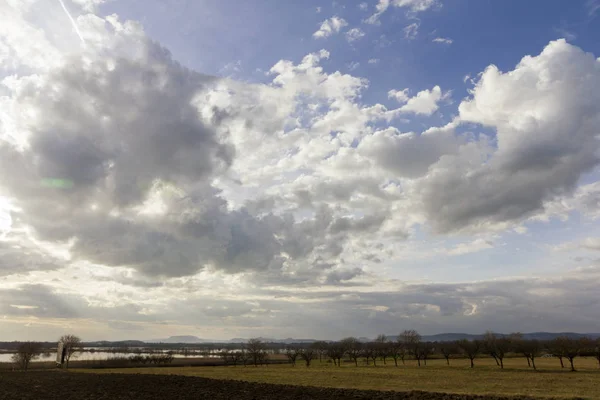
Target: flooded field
104,354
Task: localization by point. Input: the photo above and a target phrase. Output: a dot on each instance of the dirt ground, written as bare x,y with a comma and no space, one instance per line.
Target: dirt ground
70,386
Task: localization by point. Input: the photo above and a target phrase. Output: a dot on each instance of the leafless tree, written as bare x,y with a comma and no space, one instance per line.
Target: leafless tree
470,348
497,347
369,351
571,348
257,351
555,348
225,356
336,352
321,349
488,344
308,355
448,349
397,351
353,348
412,341
382,348
596,350
531,349
244,357
292,354
425,350
26,352
71,345
236,357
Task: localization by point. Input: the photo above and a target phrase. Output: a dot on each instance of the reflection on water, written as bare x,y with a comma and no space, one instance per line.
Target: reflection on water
105,355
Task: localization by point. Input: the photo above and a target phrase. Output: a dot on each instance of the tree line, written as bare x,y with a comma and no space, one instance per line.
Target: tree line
410,346
26,352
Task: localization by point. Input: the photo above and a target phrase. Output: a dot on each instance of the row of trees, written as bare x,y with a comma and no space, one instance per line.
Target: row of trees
409,345
29,351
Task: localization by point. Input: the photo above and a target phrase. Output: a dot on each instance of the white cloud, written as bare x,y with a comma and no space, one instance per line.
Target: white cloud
363,6
471,247
442,40
411,31
592,244
542,149
354,34
235,204
399,95
353,65
330,27
373,61
592,7
413,6
426,102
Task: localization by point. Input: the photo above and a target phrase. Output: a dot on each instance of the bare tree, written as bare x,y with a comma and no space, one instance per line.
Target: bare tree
448,349
369,351
412,341
236,357
308,355
71,345
321,349
243,355
425,350
257,351
497,347
353,348
488,344
292,354
225,356
571,348
470,348
518,344
383,348
337,351
397,351
531,349
596,351
26,352
557,347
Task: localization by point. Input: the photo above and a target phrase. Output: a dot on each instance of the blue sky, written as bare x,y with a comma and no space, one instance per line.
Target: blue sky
229,166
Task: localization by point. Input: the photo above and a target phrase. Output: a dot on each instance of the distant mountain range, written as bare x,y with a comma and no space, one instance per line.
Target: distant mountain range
188,339
442,337
449,337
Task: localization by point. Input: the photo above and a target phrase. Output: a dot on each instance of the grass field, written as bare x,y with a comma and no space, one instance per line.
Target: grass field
485,378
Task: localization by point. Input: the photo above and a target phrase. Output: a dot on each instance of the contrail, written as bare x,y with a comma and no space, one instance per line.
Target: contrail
72,21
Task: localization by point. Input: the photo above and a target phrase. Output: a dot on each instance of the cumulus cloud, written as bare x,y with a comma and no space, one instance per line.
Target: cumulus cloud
413,6
121,169
330,27
542,147
409,155
354,34
425,102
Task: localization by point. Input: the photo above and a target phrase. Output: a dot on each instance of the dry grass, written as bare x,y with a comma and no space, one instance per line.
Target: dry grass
486,378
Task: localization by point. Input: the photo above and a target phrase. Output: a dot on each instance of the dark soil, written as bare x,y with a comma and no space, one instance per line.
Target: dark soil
70,386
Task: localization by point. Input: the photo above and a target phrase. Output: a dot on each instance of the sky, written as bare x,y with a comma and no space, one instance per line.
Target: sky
306,169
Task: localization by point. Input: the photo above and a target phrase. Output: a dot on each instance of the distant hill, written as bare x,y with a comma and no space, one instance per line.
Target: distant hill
179,339
441,337
449,337
120,343
272,340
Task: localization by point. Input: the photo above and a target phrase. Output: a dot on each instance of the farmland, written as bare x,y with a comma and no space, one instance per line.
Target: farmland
485,379
62,385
